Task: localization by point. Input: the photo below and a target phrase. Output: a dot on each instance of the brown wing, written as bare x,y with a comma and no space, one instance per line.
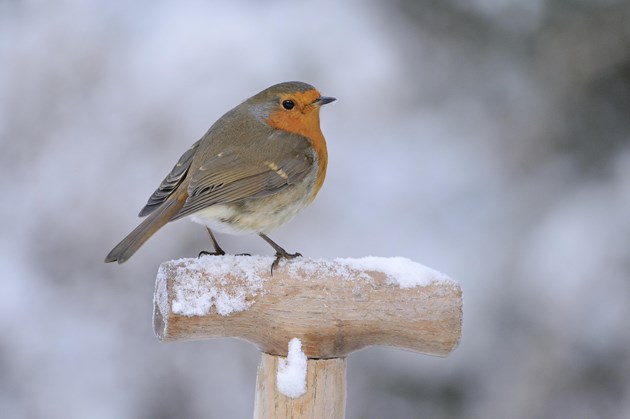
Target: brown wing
171,182
282,160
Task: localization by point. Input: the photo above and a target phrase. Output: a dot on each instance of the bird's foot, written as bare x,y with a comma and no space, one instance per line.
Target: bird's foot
280,252
215,253
219,253
283,255
217,249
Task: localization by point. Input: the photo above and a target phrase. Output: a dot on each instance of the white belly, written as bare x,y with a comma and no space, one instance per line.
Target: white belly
260,215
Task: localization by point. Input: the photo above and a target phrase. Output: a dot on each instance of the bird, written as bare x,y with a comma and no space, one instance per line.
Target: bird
255,168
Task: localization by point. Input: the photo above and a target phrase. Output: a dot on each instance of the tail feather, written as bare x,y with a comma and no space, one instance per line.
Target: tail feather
130,244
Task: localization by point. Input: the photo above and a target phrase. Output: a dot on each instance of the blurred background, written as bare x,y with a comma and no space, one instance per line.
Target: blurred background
488,139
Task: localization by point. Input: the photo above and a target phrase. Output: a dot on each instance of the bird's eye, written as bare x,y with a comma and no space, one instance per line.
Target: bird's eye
288,104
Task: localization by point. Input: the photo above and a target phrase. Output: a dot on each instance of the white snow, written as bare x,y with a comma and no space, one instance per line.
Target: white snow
201,284
399,270
229,283
291,376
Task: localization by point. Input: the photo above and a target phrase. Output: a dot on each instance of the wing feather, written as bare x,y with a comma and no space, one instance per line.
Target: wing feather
171,181
228,177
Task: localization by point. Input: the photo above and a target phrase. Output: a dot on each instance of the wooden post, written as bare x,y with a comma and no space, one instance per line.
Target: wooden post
325,395
333,308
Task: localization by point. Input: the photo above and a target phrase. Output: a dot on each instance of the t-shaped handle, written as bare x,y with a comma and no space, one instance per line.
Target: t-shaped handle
334,307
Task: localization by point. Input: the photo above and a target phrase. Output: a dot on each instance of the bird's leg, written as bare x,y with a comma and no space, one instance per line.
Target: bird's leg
280,252
217,249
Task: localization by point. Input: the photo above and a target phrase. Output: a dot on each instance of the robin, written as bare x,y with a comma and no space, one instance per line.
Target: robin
253,171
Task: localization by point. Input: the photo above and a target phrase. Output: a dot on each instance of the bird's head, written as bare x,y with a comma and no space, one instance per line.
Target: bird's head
290,106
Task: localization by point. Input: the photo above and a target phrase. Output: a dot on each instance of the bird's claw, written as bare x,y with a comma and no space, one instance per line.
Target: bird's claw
206,253
284,255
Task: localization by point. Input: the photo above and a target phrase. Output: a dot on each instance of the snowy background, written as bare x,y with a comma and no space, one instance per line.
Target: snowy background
489,139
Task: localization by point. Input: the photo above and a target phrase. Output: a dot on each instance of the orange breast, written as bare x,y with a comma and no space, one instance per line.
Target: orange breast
306,124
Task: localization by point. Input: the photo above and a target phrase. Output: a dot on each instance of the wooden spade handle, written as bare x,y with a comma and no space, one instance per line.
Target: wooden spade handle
333,307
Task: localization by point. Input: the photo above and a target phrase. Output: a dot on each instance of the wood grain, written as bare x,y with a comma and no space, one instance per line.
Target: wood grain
332,310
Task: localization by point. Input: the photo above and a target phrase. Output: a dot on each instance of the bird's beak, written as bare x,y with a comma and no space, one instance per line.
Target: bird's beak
322,100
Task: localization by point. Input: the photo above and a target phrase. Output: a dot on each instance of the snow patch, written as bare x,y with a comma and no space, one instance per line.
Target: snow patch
399,270
160,299
291,376
200,283
229,282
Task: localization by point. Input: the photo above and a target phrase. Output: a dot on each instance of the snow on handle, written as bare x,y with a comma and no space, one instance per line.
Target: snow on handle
334,307
201,284
401,271
313,312
196,296
291,375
